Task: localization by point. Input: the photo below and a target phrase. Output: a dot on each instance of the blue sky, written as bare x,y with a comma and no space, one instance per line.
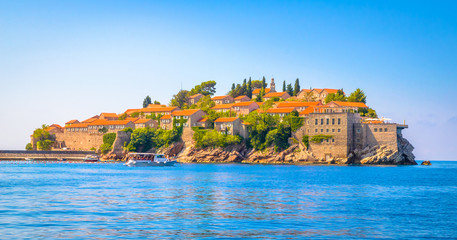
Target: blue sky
62,60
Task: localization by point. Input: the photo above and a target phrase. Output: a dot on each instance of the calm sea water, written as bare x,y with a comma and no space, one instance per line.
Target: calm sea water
103,201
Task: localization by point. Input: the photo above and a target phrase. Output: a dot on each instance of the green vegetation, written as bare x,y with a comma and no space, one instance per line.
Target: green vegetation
320,138
211,138
44,139
103,130
180,99
129,129
339,96
357,96
305,140
205,88
367,112
108,140
296,87
122,116
289,89
29,147
143,139
146,101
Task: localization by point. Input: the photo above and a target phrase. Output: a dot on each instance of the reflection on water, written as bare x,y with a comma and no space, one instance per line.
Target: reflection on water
77,201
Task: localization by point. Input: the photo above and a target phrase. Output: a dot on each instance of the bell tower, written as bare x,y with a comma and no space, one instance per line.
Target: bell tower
272,85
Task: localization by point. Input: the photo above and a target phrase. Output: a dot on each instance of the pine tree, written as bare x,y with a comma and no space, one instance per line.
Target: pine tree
244,88
296,87
233,86
284,86
147,100
264,84
290,89
249,89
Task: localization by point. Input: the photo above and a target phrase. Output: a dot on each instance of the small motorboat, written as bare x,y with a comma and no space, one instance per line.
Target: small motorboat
29,159
147,159
91,158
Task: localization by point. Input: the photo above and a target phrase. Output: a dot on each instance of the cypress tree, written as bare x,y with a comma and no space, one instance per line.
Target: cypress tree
289,89
264,84
249,89
284,86
296,87
244,88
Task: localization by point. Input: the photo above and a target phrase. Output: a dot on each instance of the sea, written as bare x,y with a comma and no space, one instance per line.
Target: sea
58,200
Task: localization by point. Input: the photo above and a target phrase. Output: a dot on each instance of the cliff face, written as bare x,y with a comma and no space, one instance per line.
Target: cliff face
382,155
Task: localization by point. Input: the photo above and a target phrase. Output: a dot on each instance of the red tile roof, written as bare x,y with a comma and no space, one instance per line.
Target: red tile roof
203,120
330,90
280,110
187,112
142,120
223,106
168,116
226,119
275,94
257,91
350,104
89,120
243,104
241,97
152,105
100,122
151,110
77,125
220,97
296,104
110,115
196,95
72,121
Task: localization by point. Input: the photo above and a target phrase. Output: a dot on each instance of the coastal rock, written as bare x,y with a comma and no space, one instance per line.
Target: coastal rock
382,155
426,163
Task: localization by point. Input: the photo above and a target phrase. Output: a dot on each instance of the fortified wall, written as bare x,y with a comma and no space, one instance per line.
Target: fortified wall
79,140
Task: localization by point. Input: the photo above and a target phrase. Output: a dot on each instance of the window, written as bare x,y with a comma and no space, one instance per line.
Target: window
333,140
358,130
315,130
328,130
380,129
333,130
339,129
358,140
328,121
385,129
333,121
322,121
375,129
327,139
322,130
186,117
316,121
339,121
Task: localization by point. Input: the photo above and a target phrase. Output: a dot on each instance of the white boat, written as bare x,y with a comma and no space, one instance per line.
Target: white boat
147,159
91,158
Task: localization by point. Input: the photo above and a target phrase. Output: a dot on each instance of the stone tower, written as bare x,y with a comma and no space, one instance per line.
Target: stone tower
272,85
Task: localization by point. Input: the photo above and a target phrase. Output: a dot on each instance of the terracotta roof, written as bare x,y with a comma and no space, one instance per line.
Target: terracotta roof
307,111
203,120
319,90
142,120
77,125
306,90
275,94
243,104
226,119
151,110
257,91
260,103
187,112
220,97
296,104
350,104
374,122
72,121
131,119
280,110
223,106
241,97
108,122
56,126
331,90
110,115
152,105
196,95
90,119
168,116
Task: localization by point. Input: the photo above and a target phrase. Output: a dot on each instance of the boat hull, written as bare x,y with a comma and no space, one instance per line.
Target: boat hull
149,164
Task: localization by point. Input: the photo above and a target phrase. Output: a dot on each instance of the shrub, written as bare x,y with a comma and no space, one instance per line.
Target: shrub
305,140
143,139
103,130
109,138
319,138
213,138
129,129
105,148
29,147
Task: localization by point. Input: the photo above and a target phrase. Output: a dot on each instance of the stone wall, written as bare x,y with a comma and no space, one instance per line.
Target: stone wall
80,140
44,155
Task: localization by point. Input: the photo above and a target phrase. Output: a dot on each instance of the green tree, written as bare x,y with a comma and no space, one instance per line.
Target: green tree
296,87
264,84
244,87
45,145
109,138
156,102
249,88
289,89
284,86
338,96
123,116
44,139
256,84
233,86
29,147
103,130
180,99
146,101
205,103
357,96
205,88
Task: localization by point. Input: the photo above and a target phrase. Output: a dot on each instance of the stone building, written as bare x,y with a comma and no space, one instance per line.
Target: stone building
223,107
231,125
195,98
281,112
111,126
283,95
109,116
189,118
222,99
142,123
299,106
244,108
257,91
243,98
143,112
166,122
336,106
71,122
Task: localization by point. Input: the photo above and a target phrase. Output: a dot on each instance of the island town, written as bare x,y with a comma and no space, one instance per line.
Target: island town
254,122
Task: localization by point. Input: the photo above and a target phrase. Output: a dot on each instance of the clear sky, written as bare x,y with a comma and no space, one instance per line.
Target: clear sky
63,60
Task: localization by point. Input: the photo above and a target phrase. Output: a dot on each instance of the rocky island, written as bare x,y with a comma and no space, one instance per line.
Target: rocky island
253,123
